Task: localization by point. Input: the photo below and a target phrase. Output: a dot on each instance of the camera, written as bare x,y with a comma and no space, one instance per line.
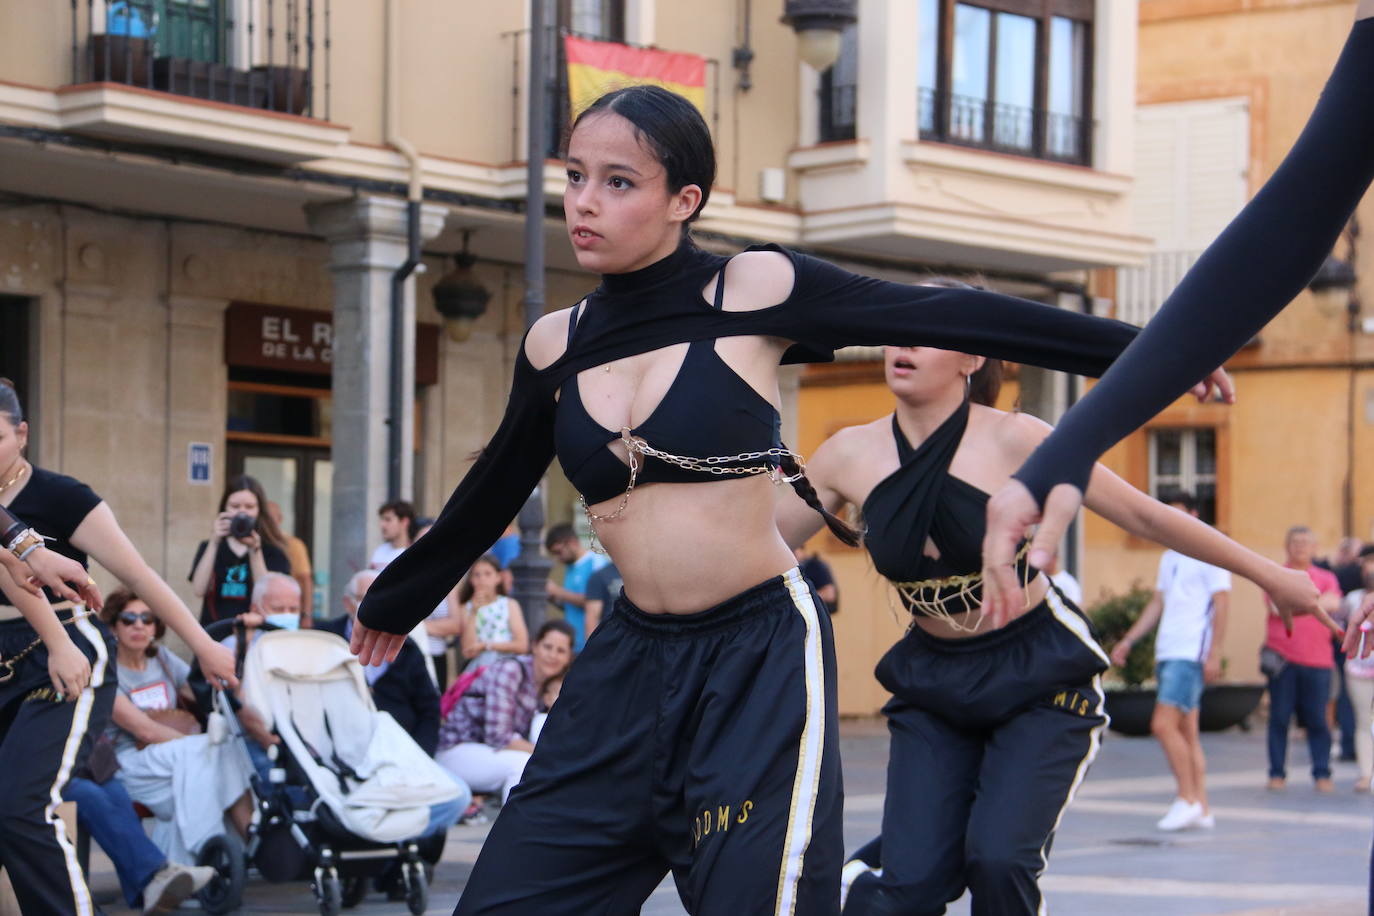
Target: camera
242,525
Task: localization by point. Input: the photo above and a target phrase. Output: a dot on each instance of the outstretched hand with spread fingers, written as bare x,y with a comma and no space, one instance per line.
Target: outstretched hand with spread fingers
373,646
1011,513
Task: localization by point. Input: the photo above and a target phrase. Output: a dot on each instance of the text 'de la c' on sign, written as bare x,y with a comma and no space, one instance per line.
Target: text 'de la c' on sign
198,458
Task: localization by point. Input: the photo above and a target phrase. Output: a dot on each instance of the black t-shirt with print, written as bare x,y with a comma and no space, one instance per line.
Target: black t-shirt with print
230,590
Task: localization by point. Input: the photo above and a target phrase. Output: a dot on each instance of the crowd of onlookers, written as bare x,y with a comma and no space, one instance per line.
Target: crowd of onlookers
471,687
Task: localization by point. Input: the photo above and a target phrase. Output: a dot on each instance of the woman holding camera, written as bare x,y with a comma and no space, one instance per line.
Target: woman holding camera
245,544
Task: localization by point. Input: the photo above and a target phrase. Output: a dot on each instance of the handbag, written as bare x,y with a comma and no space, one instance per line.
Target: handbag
1271,663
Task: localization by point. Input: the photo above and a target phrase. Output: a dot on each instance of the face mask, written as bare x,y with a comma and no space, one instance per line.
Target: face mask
284,621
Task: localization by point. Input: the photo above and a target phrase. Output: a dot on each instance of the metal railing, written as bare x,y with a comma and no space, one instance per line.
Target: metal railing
256,53
1140,291
838,118
985,124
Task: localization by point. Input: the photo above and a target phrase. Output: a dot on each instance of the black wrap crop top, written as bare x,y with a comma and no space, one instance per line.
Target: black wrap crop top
708,411
921,501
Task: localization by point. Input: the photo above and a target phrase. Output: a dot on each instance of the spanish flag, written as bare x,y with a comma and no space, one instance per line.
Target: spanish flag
597,67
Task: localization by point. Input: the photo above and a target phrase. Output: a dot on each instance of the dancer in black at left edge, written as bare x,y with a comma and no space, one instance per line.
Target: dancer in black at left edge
46,728
705,706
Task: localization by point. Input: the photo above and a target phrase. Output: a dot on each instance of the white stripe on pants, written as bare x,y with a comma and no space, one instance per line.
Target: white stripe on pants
484,768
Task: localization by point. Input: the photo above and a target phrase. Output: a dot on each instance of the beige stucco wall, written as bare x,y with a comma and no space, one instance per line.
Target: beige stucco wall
131,367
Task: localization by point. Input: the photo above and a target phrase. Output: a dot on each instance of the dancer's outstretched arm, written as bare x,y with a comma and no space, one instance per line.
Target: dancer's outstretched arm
1255,268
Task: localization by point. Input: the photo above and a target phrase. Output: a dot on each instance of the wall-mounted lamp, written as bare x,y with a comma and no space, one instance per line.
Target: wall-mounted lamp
818,24
459,296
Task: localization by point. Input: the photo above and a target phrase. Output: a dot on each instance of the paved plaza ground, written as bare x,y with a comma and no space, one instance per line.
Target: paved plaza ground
1294,852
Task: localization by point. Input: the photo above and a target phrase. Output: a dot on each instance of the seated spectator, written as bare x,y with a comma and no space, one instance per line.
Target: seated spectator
106,812
493,625
482,741
187,782
548,695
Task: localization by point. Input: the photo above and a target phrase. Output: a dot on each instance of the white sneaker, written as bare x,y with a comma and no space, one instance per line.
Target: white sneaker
201,875
169,886
1180,816
1206,822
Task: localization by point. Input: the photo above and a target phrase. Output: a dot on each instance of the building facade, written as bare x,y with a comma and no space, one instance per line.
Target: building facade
203,206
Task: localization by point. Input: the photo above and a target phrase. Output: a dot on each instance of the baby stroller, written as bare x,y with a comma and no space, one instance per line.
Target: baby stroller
347,789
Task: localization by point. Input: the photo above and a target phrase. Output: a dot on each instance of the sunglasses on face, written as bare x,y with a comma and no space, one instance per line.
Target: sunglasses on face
129,618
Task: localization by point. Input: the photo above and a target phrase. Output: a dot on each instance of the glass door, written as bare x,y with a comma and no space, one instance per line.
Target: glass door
300,480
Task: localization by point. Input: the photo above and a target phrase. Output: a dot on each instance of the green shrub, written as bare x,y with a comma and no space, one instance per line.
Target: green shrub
1112,617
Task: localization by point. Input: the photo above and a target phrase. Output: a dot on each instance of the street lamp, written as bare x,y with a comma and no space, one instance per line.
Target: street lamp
459,296
818,24
1333,285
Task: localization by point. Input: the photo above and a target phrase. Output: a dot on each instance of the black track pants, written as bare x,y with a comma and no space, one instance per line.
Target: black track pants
41,740
991,737
704,744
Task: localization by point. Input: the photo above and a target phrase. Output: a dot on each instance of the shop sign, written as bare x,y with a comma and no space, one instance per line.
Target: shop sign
302,340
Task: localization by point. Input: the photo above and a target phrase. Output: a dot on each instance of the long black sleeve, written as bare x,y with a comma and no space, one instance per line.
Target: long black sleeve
829,307
489,496
1254,268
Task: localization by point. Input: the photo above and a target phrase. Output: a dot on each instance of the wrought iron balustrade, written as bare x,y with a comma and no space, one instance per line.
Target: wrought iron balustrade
986,124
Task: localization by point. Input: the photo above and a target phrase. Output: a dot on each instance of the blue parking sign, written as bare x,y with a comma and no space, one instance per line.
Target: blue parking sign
198,462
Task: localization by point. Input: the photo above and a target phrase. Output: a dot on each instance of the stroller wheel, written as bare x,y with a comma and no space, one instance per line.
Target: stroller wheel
224,893
354,891
328,891
417,888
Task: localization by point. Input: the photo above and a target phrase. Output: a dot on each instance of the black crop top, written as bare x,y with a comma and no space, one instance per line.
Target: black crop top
55,505
921,500
1255,267
661,305
707,411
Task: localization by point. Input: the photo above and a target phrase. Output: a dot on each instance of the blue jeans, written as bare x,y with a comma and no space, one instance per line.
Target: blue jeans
1180,683
106,811
1305,690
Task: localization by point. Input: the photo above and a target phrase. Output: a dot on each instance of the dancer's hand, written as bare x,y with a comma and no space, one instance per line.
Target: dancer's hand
1011,511
217,663
373,646
1218,382
68,669
1292,594
54,570
1359,642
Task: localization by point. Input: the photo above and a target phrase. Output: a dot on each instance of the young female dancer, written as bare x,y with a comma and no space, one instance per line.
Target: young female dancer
42,735
698,734
991,731
1246,277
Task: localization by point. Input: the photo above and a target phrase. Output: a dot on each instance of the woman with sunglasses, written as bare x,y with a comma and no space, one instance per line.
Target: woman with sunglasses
188,783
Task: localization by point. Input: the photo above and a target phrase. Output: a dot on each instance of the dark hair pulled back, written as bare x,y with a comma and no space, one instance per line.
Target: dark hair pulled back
985,384
9,402
838,526
672,129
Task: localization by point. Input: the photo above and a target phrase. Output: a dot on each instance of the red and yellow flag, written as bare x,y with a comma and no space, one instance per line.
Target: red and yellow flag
597,67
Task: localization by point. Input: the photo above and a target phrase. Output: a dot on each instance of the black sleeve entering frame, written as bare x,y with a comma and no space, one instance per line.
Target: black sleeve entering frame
1246,277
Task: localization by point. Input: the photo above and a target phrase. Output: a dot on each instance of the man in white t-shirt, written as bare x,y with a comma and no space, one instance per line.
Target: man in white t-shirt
1192,598
397,522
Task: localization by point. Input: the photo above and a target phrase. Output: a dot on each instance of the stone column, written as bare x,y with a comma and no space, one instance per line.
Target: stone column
367,242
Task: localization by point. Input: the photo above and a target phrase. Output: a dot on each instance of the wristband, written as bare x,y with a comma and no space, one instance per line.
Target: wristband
26,544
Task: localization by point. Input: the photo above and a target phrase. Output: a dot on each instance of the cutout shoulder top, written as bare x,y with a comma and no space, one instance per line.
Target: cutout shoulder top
661,305
922,501
707,411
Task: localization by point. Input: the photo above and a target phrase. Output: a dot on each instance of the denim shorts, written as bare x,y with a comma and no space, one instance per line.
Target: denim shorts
1180,683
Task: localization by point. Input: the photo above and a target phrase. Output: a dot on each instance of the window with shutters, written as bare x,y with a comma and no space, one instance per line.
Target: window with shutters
1186,459
1191,179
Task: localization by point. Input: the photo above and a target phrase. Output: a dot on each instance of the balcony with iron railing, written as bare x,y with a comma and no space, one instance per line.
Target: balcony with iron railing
247,78
265,54
985,124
